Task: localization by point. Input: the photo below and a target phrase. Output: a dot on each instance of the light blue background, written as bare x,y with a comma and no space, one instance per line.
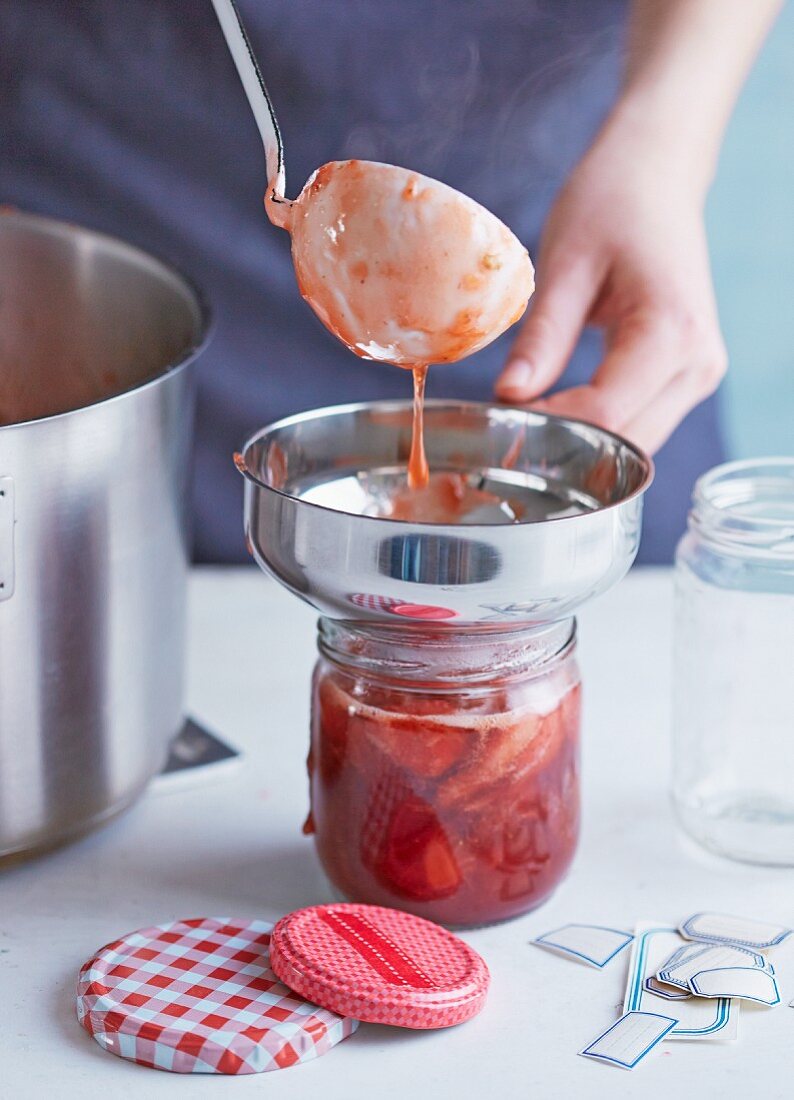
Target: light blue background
751,229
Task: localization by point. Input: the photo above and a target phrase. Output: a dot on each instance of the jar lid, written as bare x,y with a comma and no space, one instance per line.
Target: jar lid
199,996
379,965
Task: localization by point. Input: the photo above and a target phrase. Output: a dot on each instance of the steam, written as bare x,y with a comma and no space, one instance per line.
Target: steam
444,84
504,98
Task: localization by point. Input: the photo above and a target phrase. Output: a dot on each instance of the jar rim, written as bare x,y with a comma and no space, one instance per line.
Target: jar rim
445,657
748,505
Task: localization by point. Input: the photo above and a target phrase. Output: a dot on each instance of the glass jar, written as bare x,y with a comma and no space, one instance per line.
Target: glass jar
444,767
733,707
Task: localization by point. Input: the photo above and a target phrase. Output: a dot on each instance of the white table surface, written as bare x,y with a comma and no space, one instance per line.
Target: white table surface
231,845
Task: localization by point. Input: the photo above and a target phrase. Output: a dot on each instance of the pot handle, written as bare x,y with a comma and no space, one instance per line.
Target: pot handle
6,538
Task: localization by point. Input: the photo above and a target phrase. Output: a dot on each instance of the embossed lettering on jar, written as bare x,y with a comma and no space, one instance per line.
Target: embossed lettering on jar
444,767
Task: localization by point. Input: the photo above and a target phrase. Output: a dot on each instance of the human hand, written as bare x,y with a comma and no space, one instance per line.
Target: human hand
624,249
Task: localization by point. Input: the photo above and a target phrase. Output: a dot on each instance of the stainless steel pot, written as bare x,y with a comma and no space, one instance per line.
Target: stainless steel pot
95,425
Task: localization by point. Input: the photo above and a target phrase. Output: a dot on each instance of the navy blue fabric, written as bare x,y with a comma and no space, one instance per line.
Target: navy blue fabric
128,116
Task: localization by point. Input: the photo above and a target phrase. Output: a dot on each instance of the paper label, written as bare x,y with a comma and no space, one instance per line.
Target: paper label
630,1039
736,981
698,1018
675,967
669,992
589,943
722,928
683,964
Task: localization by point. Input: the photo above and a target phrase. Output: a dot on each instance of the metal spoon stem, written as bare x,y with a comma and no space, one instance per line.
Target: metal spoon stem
251,77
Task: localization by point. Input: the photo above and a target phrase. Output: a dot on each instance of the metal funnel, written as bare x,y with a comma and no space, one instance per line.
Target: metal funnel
316,482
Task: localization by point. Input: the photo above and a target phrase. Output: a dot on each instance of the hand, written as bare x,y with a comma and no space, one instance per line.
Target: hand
624,249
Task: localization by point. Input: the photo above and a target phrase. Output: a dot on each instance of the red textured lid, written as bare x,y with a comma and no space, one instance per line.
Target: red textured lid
379,965
400,607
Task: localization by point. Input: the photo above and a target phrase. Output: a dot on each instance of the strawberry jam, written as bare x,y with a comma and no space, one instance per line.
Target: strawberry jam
444,767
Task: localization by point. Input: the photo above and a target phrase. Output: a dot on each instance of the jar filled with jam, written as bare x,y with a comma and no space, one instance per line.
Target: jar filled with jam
444,766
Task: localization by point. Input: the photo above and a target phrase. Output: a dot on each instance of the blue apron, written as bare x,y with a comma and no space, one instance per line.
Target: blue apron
129,117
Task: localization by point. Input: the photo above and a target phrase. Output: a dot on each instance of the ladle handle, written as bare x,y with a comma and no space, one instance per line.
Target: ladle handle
254,85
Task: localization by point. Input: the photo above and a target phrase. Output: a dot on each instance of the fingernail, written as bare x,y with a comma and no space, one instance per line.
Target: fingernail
516,378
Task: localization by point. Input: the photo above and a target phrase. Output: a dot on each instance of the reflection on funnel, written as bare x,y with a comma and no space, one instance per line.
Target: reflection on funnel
437,559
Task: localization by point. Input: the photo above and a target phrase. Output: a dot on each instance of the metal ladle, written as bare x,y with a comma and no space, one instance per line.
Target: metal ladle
497,512
258,97
461,277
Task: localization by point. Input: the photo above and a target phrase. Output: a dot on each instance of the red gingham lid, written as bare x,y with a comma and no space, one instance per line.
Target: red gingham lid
379,965
198,996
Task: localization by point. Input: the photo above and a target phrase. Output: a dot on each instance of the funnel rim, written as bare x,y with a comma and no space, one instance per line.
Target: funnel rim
645,461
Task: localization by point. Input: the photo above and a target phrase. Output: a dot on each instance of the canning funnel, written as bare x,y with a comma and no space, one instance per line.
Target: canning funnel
315,485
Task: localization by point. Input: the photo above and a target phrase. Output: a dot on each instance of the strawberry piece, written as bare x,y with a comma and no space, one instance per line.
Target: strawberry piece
414,858
423,749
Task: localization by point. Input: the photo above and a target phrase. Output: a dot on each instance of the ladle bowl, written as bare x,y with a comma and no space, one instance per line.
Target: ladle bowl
315,483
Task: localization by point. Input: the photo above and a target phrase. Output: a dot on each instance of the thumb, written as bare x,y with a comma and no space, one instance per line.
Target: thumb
549,334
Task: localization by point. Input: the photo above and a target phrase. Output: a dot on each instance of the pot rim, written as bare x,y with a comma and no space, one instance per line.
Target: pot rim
206,318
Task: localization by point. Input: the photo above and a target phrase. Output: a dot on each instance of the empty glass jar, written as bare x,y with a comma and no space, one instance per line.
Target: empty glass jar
733,707
445,767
